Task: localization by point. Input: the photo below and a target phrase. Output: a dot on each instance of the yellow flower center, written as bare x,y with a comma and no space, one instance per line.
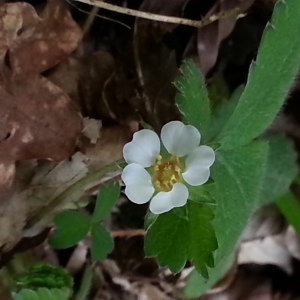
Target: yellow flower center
166,173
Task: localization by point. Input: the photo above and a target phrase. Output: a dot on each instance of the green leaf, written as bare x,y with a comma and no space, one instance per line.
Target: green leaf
44,275
192,99
270,77
238,179
222,113
290,207
106,199
43,294
174,240
102,242
281,168
200,194
72,226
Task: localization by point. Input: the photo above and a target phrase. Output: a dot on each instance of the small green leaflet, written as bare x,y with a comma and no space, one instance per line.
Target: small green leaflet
192,237
270,77
44,275
102,242
43,294
72,227
106,200
192,99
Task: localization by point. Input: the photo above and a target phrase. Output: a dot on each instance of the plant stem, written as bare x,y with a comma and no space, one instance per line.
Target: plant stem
77,188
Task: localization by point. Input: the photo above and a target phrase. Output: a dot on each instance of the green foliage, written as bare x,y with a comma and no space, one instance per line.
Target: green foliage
106,199
44,275
72,226
192,99
249,170
42,294
102,242
290,207
174,239
238,176
222,113
245,179
281,168
270,77
44,282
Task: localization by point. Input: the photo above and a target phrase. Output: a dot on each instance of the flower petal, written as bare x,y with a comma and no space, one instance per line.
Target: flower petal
143,149
139,188
196,175
197,165
165,201
180,139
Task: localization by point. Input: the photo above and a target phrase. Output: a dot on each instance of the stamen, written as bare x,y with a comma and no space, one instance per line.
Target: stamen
166,173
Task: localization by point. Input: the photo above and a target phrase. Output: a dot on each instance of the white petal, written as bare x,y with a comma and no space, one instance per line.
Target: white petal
203,155
180,139
143,149
165,201
196,175
139,188
197,165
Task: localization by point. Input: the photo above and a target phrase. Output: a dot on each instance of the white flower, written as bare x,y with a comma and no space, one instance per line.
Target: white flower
165,177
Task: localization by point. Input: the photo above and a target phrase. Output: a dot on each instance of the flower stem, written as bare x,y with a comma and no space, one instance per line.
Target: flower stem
77,189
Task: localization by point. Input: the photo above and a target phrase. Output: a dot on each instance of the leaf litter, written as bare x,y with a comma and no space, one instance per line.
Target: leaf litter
70,101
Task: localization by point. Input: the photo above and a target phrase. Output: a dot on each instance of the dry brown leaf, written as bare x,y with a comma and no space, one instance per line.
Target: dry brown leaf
38,120
36,43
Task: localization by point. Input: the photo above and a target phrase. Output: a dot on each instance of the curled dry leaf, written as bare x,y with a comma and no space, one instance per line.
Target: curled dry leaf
209,38
36,43
46,127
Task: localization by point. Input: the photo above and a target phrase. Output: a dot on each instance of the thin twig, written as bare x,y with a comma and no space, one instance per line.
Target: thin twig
128,233
97,15
161,18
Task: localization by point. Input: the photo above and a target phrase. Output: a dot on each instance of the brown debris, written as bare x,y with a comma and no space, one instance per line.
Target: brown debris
35,112
41,42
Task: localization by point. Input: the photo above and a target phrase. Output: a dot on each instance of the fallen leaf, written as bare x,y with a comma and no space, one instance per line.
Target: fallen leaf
46,127
36,43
